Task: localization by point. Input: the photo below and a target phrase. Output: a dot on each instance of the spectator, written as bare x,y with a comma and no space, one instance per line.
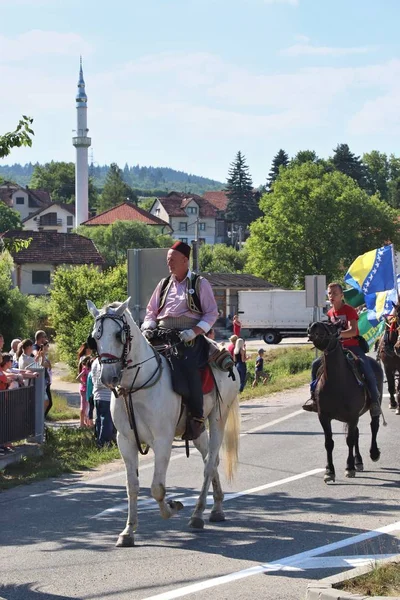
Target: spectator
259,371
237,326
102,400
89,394
83,376
47,375
15,376
8,380
228,322
239,356
25,356
13,351
83,351
231,346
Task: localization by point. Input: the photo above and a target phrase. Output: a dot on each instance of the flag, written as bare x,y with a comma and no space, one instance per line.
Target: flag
380,305
373,271
370,332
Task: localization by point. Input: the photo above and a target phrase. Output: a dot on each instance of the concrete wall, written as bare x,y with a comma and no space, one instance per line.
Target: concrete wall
23,278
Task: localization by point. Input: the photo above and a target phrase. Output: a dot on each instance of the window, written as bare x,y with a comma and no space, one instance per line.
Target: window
202,226
182,226
202,240
41,277
49,219
158,210
192,210
183,240
19,200
70,220
69,229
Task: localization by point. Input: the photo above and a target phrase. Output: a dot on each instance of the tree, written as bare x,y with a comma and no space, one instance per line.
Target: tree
9,218
113,241
14,305
377,173
304,156
316,222
394,183
15,139
69,314
115,191
221,259
280,160
348,163
58,178
242,206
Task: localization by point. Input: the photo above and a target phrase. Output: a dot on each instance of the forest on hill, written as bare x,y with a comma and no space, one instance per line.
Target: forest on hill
151,180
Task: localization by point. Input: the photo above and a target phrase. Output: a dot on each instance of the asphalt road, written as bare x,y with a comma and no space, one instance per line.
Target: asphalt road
284,526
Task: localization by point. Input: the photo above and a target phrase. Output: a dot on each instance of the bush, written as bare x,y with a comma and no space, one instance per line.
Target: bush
14,305
69,314
38,316
284,362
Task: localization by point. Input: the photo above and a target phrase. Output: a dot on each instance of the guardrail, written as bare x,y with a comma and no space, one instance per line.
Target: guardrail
22,412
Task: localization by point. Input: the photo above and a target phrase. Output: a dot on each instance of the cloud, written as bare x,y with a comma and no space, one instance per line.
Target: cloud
307,49
302,38
38,43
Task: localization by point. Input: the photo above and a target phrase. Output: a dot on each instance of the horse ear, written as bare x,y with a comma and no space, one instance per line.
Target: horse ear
121,309
92,308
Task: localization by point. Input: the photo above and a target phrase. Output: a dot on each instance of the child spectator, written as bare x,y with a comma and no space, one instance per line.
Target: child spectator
13,351
239,356
259,372
237,326
83,351
231,346
82,376
24,355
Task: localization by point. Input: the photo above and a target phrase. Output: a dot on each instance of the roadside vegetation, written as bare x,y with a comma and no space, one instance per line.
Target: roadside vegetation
383,580
66,450
60,411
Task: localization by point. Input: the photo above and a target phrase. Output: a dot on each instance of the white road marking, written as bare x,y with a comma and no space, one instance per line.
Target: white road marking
288,563
191,500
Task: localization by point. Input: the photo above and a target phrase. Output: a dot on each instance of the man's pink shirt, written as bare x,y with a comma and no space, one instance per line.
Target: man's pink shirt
176,305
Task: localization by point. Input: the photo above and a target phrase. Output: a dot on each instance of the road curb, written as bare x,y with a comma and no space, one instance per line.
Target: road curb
324,588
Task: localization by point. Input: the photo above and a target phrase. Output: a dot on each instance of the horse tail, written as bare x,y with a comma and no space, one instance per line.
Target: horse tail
230,444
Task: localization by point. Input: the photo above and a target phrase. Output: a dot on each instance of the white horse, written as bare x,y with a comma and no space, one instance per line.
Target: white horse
143,380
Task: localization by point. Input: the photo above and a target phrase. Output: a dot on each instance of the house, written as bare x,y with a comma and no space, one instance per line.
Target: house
56,216
47,251
23,200
220,201
185,213
127,211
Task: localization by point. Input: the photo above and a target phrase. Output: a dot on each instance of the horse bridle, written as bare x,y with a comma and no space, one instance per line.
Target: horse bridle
124,336
334,339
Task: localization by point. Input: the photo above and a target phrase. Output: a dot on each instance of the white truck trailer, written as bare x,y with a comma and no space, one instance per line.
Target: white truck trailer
274,314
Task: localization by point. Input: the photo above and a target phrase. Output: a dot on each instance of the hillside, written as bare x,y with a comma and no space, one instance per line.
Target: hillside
151,180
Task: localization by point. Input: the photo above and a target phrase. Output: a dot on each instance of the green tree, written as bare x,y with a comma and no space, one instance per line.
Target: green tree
69,315
115,190
221,259
22,136
394,181
242,205
281,159
377,173
304,156
348,163
113,241
316,222
9,218
14,305
58,178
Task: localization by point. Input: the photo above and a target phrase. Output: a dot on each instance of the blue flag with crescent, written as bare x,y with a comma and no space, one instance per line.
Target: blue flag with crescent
373,271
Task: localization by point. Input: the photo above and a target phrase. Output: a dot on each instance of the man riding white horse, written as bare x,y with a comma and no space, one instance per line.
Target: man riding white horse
185,302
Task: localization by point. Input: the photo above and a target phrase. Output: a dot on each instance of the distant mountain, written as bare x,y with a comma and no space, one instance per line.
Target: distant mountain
150,180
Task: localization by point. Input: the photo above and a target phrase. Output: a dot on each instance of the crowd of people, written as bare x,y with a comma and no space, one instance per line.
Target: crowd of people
16,369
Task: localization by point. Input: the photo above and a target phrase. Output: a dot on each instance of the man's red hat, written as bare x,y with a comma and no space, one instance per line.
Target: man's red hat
182,248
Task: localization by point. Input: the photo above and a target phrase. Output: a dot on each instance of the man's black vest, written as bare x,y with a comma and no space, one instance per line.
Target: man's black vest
192,292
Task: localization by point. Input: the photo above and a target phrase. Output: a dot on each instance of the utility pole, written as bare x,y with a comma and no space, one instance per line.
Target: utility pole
240,237
195,246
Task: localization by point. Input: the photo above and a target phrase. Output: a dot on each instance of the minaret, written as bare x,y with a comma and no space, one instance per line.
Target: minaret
81,143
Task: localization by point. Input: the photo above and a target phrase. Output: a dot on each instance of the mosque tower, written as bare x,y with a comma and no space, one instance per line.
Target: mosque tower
81,142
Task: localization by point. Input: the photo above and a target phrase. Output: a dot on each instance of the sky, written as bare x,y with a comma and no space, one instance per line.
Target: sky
186,84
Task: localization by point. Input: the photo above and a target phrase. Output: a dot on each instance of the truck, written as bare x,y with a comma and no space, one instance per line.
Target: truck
274,314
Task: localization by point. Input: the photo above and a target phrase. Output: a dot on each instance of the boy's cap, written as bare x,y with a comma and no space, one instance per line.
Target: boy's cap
261,350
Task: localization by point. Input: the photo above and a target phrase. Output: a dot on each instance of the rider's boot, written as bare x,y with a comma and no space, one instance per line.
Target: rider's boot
375,408
311,404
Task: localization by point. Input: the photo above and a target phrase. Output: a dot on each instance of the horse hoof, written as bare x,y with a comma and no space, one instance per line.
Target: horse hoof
329,477
175,505
376,456
359,467
350,473
216,516
196,523
125,541
392,404
398,411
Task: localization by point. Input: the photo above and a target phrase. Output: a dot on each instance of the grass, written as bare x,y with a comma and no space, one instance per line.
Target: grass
383,580
66,450
60,411
288,368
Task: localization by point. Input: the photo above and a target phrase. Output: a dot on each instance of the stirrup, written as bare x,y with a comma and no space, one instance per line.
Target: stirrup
310,405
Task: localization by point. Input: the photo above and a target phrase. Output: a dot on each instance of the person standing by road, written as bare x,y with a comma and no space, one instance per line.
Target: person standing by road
102,402
237,326
239,356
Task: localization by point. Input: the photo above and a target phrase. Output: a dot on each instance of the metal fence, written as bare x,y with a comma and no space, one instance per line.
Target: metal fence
17,414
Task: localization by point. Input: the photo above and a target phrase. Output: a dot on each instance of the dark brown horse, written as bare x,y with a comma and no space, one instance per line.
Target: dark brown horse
387,354
341,397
